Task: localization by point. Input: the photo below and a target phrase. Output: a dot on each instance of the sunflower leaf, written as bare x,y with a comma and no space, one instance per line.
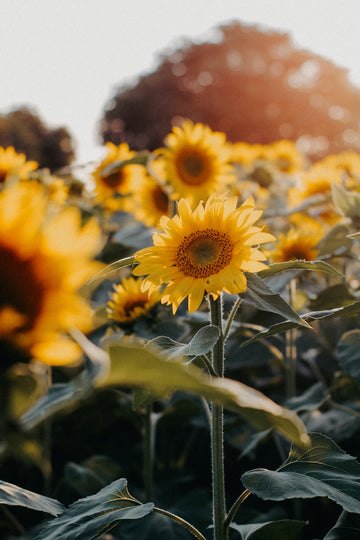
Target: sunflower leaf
349,353
262,297
322,266
133,365
348,202
281,530
93,516
202,343
323,470
348,310
106,273
347,527
10,494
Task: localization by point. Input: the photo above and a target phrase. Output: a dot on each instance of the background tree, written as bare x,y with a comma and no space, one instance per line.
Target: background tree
25,131
254,85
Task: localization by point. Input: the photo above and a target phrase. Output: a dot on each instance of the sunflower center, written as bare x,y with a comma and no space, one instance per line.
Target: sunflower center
161,200
193,167
114,180
204,253
19,288
3,175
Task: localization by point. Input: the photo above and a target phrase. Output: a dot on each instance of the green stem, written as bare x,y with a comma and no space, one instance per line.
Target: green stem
47,434
290,366
149,451
217,429
181,521
244,495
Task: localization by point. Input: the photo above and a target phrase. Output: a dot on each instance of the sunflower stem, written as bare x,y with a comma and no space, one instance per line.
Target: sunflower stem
290,338
217,429
148,452
47,441
232,316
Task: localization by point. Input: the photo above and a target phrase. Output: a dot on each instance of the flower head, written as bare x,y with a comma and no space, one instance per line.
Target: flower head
112,187
129,302
14,164
44,260
299,242
197,162
205,250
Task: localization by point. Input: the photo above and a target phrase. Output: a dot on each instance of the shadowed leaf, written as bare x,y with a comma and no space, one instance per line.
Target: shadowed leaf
324,470
17,496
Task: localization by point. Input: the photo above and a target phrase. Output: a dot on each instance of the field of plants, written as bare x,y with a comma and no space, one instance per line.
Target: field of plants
180,344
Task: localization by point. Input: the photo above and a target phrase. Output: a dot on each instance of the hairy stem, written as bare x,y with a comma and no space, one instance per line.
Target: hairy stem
217,429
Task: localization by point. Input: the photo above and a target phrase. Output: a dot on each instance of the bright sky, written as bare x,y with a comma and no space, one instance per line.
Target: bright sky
66,58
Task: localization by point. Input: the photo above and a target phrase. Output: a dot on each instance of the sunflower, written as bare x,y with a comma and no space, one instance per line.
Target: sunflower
205,250
317,181
44,260
111,188
196,162
347,163
299,242
129,302
150,200
285,156
14,164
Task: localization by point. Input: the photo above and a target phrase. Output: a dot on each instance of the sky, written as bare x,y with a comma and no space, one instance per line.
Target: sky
65,59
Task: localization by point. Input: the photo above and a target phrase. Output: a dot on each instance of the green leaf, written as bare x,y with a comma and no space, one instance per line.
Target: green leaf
349,353
275,268
17,496
348,310
281,530
347,527
91,475
324,470
93,516
332,297
335,242
133,365
106,273
348,202
202,343
310,400
261,296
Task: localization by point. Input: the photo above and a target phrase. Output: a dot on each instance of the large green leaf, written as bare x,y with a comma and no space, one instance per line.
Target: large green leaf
349,353
347,527
336,241
261,296
17,496
324,470
281,530
133,365
93,516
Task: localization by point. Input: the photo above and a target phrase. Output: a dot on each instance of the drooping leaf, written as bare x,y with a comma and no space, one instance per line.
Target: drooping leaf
13,495
275,268
347,527
93,516
349,353
202,343
133,365
261,296
106,273
281,530
332,297
348,310
323,470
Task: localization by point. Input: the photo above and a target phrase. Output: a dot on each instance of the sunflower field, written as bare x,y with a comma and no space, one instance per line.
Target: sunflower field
180,344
